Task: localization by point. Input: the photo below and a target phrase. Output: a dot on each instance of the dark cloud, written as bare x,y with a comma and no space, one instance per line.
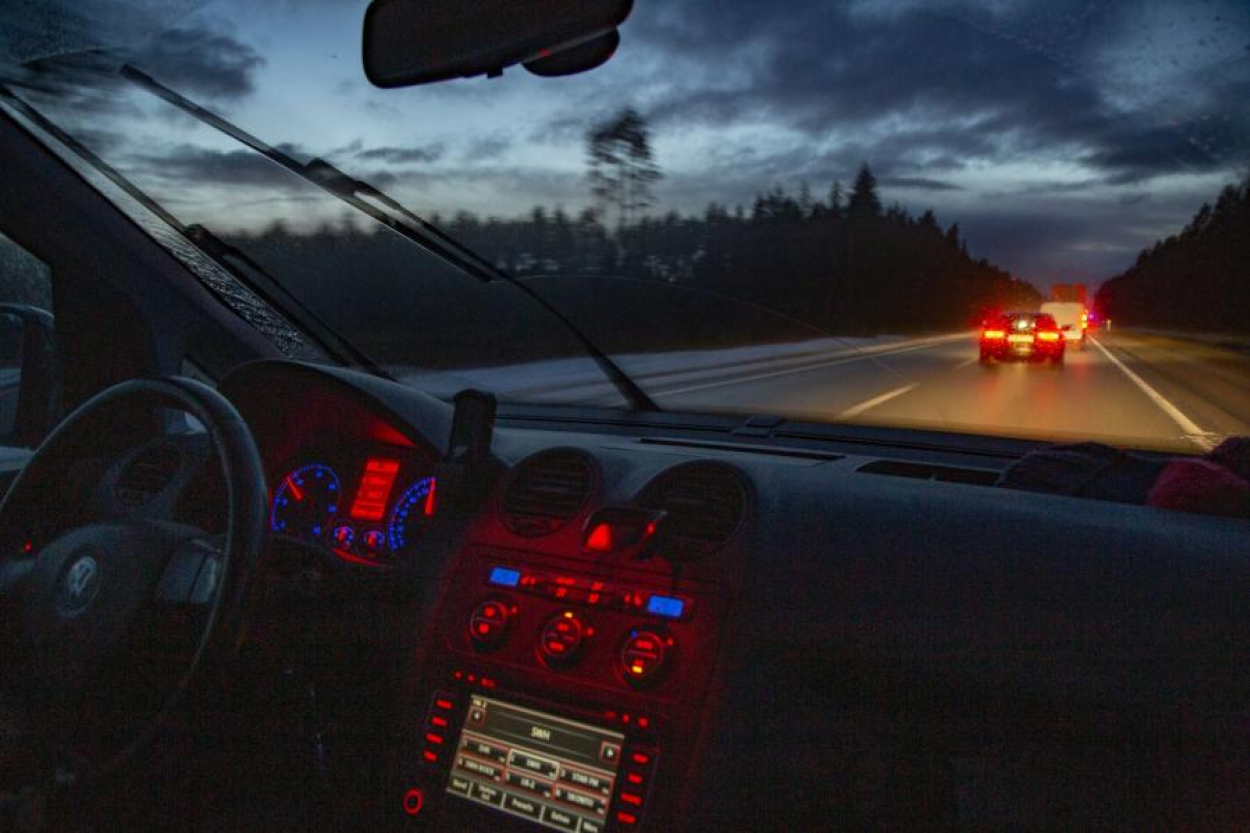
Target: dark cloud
918,183
198,166
198,61
955,82
404,156
486,148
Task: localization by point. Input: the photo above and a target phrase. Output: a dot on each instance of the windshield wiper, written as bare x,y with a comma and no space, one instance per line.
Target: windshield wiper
409,225
228,257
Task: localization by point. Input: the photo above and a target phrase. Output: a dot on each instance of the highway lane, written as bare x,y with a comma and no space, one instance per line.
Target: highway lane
1141,391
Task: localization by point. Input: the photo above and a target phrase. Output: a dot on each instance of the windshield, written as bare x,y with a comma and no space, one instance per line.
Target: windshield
815,210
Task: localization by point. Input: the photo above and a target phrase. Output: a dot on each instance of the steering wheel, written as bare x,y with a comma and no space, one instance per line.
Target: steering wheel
84,591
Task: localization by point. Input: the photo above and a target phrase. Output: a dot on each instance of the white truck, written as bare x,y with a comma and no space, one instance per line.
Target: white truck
1072,317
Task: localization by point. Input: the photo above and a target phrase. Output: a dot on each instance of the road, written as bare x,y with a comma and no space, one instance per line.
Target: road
1141,390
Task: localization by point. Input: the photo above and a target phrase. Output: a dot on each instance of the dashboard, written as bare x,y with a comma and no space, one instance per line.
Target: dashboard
658,622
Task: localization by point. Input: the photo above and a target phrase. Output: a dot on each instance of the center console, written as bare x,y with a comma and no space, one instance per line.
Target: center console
561,690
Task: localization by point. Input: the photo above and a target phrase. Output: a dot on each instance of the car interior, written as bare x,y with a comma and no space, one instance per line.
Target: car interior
247,584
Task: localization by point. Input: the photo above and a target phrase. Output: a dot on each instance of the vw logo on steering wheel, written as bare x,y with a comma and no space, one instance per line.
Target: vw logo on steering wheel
81,582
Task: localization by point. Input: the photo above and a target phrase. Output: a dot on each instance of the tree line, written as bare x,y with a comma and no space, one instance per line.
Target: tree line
1197,280
845,264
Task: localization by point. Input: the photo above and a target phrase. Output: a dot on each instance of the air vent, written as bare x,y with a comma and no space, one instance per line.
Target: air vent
147,474
547,491
925,471
705,503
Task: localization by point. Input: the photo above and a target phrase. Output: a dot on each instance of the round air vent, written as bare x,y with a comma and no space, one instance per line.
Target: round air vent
546,492
705,503
147,474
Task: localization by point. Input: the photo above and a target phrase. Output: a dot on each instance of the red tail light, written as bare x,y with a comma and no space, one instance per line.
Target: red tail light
1048,336
994,334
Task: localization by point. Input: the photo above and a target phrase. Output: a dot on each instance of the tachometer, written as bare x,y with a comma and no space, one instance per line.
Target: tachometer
305,501
412,510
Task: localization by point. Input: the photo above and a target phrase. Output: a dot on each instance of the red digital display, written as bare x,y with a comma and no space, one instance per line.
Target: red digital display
375,489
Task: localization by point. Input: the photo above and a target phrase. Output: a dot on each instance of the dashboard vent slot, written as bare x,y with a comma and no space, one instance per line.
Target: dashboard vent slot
547,491
705,503
147,474
926,471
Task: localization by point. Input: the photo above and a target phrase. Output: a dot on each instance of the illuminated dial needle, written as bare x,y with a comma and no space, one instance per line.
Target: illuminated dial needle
295,492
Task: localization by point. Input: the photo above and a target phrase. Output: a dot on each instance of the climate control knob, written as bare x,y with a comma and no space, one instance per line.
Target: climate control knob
643,656
562,638
488,625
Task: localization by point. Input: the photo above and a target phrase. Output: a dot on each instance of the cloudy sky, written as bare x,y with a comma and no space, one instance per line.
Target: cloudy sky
1063,137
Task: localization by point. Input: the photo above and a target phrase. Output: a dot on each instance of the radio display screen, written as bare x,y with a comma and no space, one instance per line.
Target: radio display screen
556,772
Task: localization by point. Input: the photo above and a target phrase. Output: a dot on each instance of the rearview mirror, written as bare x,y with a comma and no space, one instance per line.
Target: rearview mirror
410,42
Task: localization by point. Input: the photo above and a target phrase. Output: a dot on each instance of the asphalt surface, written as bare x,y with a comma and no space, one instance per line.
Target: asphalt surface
1145,391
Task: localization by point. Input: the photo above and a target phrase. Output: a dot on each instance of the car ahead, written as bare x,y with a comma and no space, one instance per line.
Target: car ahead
1072,318
1027,336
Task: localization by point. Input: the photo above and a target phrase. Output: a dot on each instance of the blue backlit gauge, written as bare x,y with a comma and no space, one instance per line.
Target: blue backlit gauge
412,511
305,502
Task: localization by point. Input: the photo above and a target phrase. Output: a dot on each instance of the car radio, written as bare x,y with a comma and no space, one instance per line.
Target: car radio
557,772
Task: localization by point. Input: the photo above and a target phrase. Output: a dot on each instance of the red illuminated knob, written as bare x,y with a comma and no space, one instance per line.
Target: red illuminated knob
562,638
643,655
488,626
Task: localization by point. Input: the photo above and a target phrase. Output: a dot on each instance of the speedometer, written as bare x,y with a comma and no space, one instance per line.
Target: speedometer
412,510
305,501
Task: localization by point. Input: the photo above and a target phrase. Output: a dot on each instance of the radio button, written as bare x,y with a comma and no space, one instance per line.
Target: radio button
529,784
524,806
485,750
488,625
478,767
547,769
577,799
586,780
561,639
486,793
559,818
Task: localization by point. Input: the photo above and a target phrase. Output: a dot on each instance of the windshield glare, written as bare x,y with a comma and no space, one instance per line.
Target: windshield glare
816,210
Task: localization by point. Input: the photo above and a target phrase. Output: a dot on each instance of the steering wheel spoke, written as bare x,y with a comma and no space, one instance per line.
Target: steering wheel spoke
14,574
191,575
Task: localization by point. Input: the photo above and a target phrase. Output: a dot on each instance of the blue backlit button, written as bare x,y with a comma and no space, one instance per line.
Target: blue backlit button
504,577
643,655
666,606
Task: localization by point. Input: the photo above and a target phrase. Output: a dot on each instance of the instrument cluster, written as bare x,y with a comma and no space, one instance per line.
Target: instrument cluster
371,510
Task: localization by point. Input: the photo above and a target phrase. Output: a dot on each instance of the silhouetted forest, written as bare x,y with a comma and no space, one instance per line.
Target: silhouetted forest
845,265
1198,280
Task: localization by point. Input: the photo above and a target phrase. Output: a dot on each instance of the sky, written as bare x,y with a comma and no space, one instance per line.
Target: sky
1062,137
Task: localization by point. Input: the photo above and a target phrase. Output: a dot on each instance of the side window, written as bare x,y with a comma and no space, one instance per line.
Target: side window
27,366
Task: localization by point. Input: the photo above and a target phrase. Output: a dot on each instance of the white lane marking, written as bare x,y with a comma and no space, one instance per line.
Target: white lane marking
875,401
737,380
972,360
1195,434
